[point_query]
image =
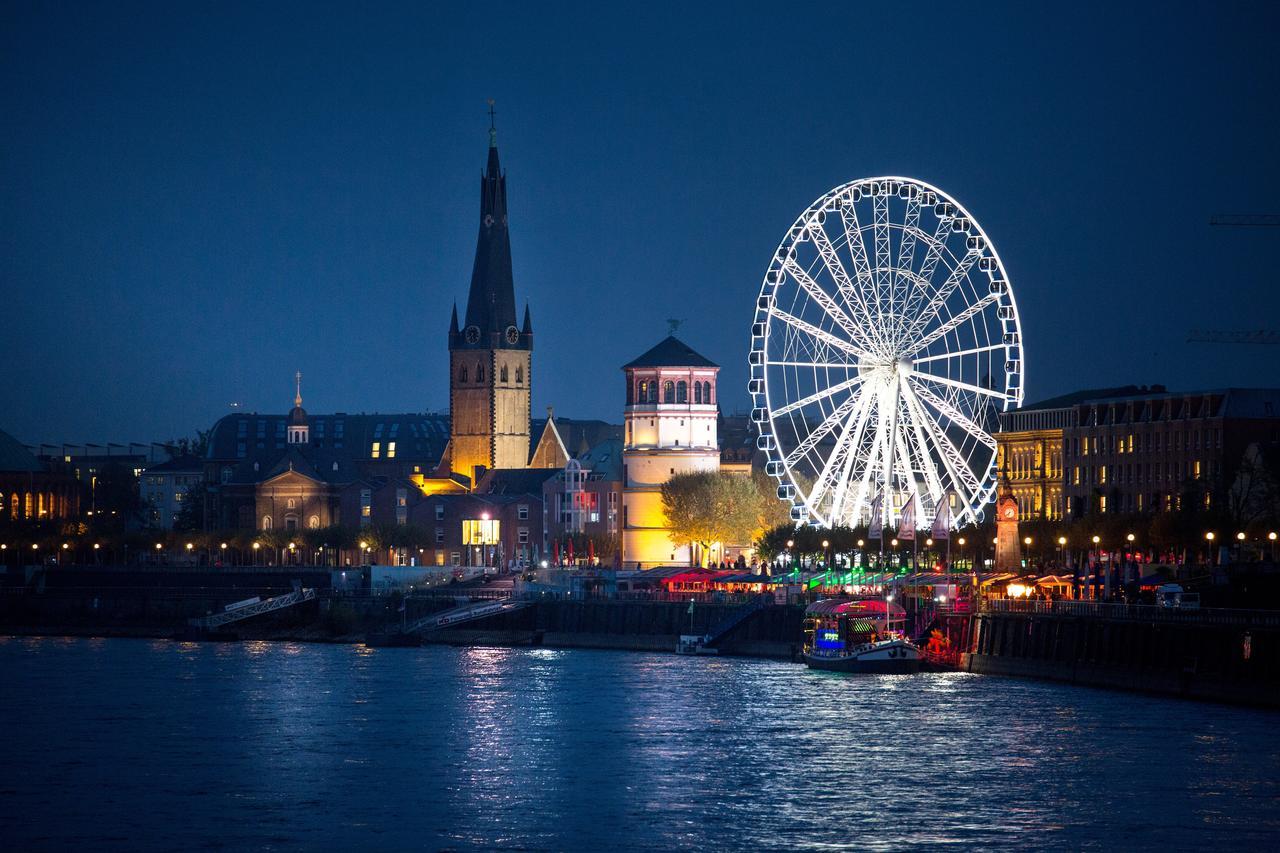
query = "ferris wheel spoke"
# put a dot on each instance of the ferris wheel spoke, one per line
(831, 260)
(823, 429)
(833, 462)
(926, 458)
(871, 462)
(956, 416)
(861, 268)
(910, 227)
(819, 334)
(965, 386)
(828, 305)
(959, 274)
(961, 476)
(841, 493)
(954, 323)
(880, 230)
(958, 354)
(824, 394)
(937, 244)
(828, 365)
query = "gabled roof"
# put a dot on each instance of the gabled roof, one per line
(15, 457)
(1076, 397)
(670, 352)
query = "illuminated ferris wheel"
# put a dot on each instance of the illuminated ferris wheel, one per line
(885, 342)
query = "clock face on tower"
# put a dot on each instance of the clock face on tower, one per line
(473, 334)
(513, 335)
(1010, 511)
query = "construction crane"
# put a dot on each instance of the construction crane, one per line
(1246, 220)
(1246, 336)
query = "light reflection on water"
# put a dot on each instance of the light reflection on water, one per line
(145, 745)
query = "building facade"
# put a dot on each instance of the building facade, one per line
(33, 489)
(670, 424)
(163, 489)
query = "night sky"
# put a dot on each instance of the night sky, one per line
(200, 199)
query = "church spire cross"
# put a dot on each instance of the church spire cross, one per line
(297, 397)
(493, 126)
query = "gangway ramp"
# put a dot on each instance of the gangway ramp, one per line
(466, 613)
(235, 613)
(706, 644)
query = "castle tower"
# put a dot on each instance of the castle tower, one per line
(490, 357)
(670, 422)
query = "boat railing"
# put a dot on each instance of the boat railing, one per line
(1134, 612)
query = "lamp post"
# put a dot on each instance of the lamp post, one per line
(960, 542)
(1027, 542)
(256, 546)
(1093, 589)
(1209, 537)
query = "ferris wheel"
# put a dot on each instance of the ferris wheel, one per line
(885, 342)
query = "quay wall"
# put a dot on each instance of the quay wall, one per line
(1207, 657)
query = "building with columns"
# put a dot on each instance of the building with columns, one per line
(669, 428)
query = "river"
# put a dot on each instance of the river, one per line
(155, 745)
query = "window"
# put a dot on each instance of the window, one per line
(1195, 469)
(682, 392)
(669, 392)
(479, 372)
(697, 392)
(522, 536)
(1102, 503)
(522, 512)
(502, 375)
(462, 374)
(439, 535)
(439, 512)
(391, 450)
(226, 475)
(266, 522)
(314, 522)
(376, 449)
(519, 375)
(402, 497)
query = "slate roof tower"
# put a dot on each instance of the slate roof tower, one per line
(490, 356)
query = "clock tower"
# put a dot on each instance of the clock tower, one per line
(1008, 548)
(490, 357)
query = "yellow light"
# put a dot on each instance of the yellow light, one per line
(223, 546)
(363, 545)
(1209, 536)
(861, 542)
(894, 543)
(190, 546)
(158, 546)
(1240, 536)
(1027, 541)
(928, 543)
(65, 546)
(791, 543)
(96, 546)
(995, 541)
(1062, 540)
(4, 547)
(961, 540)
(1272, 536)
(34, 546)
(1097, 539)
(1017, 590)
(826, 544)
(291, 546)
(256, 546)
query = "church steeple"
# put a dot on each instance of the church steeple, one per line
(491, 303)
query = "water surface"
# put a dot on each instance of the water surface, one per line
(154, 745)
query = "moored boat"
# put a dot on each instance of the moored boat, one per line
(858, 635)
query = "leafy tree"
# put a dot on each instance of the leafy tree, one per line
(711, 506)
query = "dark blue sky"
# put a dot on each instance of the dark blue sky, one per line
(201, 198)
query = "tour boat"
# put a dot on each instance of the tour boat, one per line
(858, 635)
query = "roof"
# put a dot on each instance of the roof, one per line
(1075, 397)
(15, 457)
(515, 481)
(243, 440)
(178, 463)
(574, 433)
(671, 352)
(844, 606)
(491, 301)
(604, 460)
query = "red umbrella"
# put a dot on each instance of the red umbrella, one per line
(591, 551)
(569, 547)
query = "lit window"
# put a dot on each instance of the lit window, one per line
(391, 450)
(1195, 468)
(522, 512)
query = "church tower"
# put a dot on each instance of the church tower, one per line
(490, 357)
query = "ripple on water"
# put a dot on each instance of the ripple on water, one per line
(142, 745)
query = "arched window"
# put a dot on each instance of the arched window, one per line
(706, 392)
(642, 396)
(669, 392)
(266, 522)
(314, 522)
(479, 372)
(682, 392)
(462, 373)
(519, 375)
(502, 375)
(292, 503)
(653, 391)
(697, 392)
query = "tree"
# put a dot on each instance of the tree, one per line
(711, 506)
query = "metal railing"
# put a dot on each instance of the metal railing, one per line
(280, 602)
(1138, 612)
